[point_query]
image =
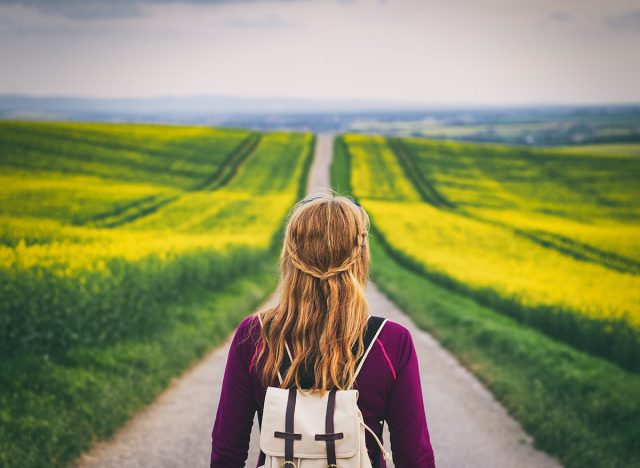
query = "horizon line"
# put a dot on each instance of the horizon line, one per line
(413, 105)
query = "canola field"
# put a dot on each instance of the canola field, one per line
(126, 253)
(102, 223)
(549, 236)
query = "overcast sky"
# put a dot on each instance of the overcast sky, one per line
(427, 51)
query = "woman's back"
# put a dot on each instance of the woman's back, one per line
(389, 390)
(322, 318)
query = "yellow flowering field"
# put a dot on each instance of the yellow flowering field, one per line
(193, 206)
(551, 237)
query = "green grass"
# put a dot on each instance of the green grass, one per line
(52, 407)
(581, 409)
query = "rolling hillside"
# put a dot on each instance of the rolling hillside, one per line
(549, 237)
(120, 243)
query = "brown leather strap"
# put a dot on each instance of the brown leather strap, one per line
(287, 435)
(288, 425)
(334, 436)
(328, 427)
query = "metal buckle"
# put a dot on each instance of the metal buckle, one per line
(287, 462)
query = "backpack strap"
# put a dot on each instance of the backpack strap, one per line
(286, 360)
(374, 326)
(330, 436)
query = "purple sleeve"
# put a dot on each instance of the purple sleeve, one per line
(405, 415)
(236, 410)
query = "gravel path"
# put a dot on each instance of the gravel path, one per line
(469, 428)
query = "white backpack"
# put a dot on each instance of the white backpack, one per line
(303, 430)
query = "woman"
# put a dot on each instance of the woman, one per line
(322, 315)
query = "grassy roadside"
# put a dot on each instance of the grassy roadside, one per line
(51, 409)
(581, 409)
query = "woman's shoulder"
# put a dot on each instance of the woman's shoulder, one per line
(397, 342)
(249, 325)
(394, 331)
(247, 335)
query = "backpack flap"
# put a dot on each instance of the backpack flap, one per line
(308, 420)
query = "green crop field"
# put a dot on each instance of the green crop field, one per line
(548, 236)
(628, 149)
(117, 241)
(525, 263)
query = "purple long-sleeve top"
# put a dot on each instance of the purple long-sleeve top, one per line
(389, 390)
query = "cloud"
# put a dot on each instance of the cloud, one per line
(629, 21)
(560, 16)
(267, 22)
(95, 9)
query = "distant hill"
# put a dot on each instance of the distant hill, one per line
(212, 105)
(530, 125)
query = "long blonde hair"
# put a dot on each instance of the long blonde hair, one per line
(324, 267)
